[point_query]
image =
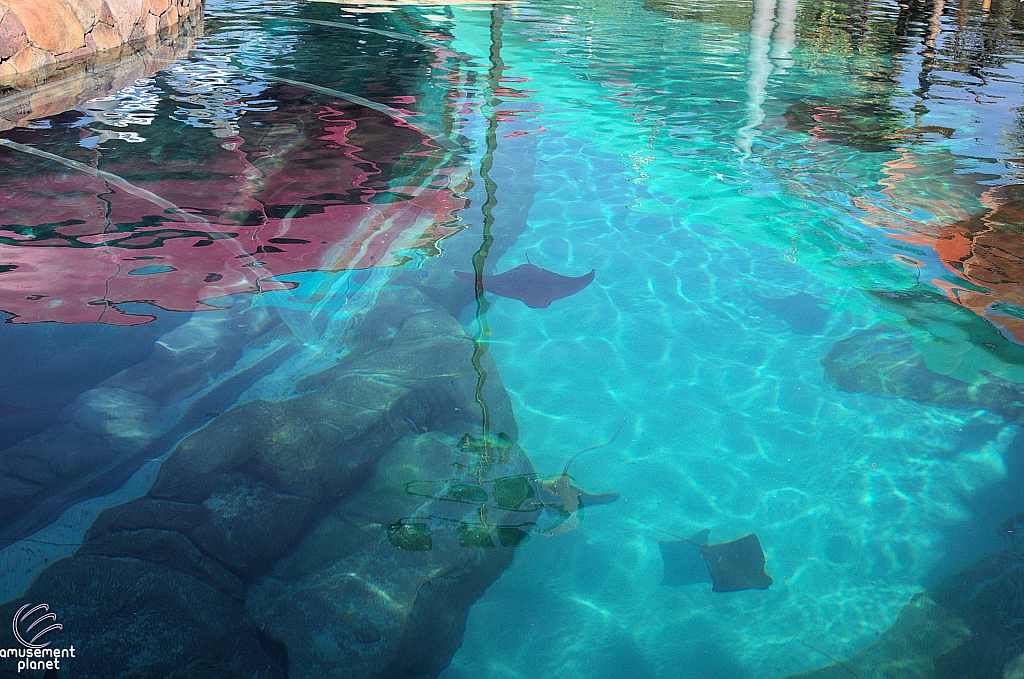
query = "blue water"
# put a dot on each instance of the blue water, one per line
(755, 185)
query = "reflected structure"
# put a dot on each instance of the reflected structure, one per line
(290, 190)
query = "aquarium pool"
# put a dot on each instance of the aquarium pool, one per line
(305, 322)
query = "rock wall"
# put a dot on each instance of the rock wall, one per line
(40, 37)
(103, 75)
(338, 530)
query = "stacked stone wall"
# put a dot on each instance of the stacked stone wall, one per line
(39, 37)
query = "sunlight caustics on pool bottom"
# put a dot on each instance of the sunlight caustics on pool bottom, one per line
(327, 279)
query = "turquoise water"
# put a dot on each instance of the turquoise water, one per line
(804, 321)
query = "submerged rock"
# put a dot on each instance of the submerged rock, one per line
(111, 430)
(969, 626)
(391, 610)
(133, 618)
(33, 470)
(922, 631)
(883, 361)
(989, 597)
(1015, 668)
(263, 547)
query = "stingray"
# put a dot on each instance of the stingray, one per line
(736, 565)
(1012, 528)
(684, 564)
(568, 499)
(535, 287)
(729, 566)
(801, 311)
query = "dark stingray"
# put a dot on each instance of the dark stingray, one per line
(801, 311)
(1012, 528)
(730, 566)
(535, 287)
(684, 564)
(736, 565)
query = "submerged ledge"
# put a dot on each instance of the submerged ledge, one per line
(280, 536)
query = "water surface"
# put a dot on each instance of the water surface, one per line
(805, 225)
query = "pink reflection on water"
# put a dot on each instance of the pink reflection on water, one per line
(310, 197)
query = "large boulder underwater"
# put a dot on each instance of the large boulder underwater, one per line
(884, 361)
(338, 527)
(971, 624)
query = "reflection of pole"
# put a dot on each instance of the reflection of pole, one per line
(494, 73)
(760, 68)
(784, 38)
(928, 54)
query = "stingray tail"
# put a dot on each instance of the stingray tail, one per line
(700, 538)
(565, 470)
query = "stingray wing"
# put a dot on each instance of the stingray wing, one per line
(535, 287)
(736, 565)
(684, 564)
